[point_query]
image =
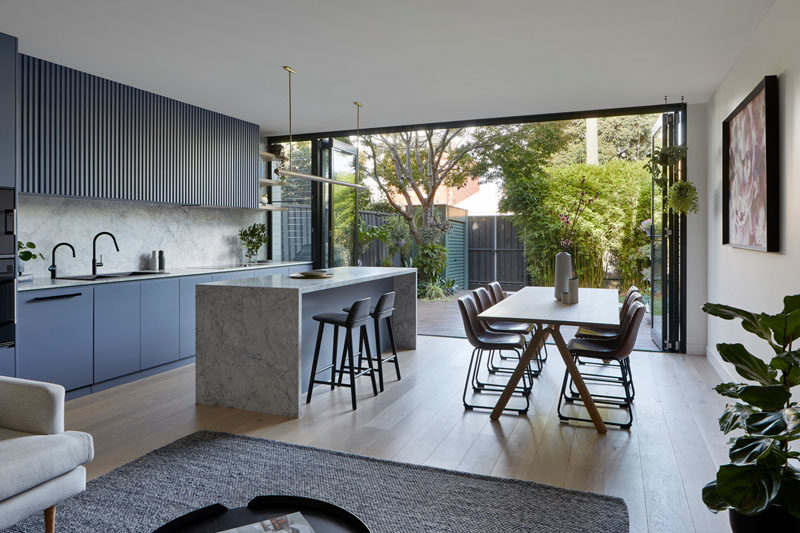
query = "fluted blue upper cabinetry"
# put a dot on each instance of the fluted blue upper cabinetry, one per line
(8, 106)
(89, 137)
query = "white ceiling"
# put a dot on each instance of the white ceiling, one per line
(408, 61)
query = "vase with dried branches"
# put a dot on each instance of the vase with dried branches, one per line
(563, 266)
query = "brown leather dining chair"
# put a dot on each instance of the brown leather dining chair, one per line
(483, 340)
(610, 332)
(483, 302)
(617, 350)
(497, 294)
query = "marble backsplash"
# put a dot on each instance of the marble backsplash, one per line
(189, 236)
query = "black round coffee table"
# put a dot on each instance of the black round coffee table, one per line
(323, 517)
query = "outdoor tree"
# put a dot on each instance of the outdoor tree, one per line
(412, 166)
(623, 137)
(528, 160)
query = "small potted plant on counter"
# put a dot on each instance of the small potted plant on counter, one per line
(253, 238)
(761, 484)
(26, 251)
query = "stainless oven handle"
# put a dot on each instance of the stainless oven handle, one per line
(10, 215)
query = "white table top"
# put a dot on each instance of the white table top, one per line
(596, 307)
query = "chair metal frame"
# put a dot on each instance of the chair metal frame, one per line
(469, 314)
(618, 352)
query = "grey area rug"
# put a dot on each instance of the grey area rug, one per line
(390, 497)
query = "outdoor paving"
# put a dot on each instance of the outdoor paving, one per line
(443, 319)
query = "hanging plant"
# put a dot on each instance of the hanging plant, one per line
(682, 197)
(664, 157)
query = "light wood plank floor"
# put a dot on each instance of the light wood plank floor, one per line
(658, 467)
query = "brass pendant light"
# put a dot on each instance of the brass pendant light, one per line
(291, 173)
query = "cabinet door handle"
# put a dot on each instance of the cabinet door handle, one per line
(56, 297)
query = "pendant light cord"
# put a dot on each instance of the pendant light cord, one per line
(358, 136)
(291, 71)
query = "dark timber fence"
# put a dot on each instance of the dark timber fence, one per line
(296, 241)
(496, 252)
(377, 249)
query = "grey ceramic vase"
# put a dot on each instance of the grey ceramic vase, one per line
(563, 273)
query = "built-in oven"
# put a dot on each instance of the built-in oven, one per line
(8, 266)
(8, 298)
(8, 237)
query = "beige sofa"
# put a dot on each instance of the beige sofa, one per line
(40, 463)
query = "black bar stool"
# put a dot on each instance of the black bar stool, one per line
(356, 318)
(384, 309)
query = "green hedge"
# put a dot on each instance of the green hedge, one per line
(609, 230)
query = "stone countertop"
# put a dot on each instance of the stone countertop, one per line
(342, 276)
(47, 283)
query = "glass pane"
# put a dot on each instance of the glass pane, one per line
(291, 231)
(656, 284)
(344, 207)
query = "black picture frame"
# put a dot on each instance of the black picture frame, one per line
(769, 86)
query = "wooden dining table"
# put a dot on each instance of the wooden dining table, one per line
(596, 307)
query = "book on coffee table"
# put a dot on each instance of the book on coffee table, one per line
(290, 523)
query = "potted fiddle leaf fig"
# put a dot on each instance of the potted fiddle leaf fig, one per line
(761, 485)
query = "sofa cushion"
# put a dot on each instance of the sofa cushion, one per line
(29, 460)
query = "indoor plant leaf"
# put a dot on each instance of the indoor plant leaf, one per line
(769, 423)
(734, 417)
(791, 303)
(712, 499)
(791, 416)
(750, 489)
(750, 321)
(749, 449)
(747, 365)
(785, 326)
(770, 398)
(786, 360)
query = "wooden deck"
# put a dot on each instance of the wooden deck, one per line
(443, 319)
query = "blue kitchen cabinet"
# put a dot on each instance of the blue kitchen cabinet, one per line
(7, 361)
(187, 316)
(116, 330)
(238, 274)
(54, 336)
(8, 111)
(160, 321)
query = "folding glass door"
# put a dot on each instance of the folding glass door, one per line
(668, 252)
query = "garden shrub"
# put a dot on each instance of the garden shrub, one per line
(607, 233)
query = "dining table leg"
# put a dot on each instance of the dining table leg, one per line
(538, 339)
(530, 352)
(588, 402)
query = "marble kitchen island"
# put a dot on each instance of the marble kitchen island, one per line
(256, 337)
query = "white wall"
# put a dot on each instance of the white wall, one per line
(757, 280)
(189, 236)
(696, 241)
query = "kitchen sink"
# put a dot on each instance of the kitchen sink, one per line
(108, 275)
